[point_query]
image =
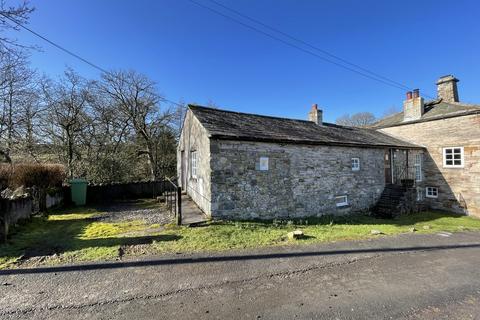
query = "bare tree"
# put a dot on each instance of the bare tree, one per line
(17, 102)
(361, 119)
(138, 101)
(67, 117)
(19, 13)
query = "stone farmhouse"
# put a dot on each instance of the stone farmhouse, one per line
(246, 166)
(450, 132)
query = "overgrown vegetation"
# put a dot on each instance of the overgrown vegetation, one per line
(30, 174)
(75, 235)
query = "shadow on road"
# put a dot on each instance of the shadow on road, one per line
(160, 262)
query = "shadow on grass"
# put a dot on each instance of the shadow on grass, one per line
(356, 219)
(217, 259)
(42, 237)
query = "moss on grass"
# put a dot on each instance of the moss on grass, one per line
(73, 235)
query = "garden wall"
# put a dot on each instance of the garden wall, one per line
(106, 193)
(13, 211)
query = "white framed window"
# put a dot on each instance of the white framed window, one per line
(263, 166)
(453, 157)
(341, 201)
(431, 192)
(418, 167)
(193, 163)
(355, 164)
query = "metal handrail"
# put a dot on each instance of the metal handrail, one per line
(403, 173)
(173, 199)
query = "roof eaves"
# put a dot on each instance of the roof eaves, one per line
(313, 142)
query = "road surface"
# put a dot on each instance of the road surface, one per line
(410, 276)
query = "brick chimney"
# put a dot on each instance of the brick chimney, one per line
(447, 88)
(316, 115)
(413, 106)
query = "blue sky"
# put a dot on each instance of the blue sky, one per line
(197, 56)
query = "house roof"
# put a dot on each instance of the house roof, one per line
(229, 125)
(434, 110)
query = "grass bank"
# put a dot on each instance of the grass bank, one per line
(76, 235)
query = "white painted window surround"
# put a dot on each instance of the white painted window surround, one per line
(355, 164)
(263, 166)
(193, 163)
(431, 192)
(453, 157)
(341, 201)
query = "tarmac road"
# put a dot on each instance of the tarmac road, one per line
(410, 276)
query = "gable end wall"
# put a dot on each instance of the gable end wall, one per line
(194, 137)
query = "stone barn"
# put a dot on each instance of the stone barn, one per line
(247, 166)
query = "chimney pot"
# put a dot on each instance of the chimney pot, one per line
(409, 95)
(416, 93)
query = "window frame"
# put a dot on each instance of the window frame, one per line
(341, 204)
(194, 164)
(356, 161)
(453, 165)
(418, 165)
(432, 195)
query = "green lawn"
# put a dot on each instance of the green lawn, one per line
(75, 235)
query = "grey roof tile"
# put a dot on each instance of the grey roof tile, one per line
(434, 110)
(231, 125)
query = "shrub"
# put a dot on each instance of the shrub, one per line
(40, 175)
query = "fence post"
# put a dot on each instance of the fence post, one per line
(179, 205)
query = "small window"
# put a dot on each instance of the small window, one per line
(263, 164)
(453, 157)
(341, 201)
(431, 192)
(193, 163)
(355, 164)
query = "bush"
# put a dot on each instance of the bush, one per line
(28, 175)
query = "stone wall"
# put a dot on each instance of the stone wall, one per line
(194, 137)
(13, 211)
(300, 180)
(459, 188)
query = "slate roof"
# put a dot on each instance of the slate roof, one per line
(229, 125)
(434, 110)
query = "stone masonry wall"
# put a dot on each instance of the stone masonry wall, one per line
(459, 188)
(300, 180)
(194, 137)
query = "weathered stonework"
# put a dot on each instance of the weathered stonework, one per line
(413, 109)
(194, 137)
(300, 180)
(447, 89)
(459, 188)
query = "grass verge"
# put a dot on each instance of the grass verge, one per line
(75, 235)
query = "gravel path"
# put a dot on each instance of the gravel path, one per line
(132, 210)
